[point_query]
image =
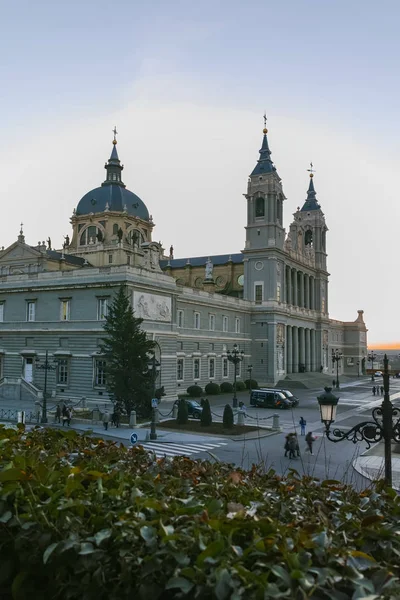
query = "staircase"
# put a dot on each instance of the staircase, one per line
(312, 381)
(19, 389)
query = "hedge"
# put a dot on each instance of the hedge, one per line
(226, 387)
(240, 386)
(86, 519)
(194, 391)
(212, 389)
(254, 384)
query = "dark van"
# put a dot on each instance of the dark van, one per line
(269, 399)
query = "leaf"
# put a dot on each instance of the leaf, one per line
(102, 535)
(12, 475)
(148, 533)
(48, 552)
(86, 548)
(212, 550)
(281, 573)
(224, 585)
(181, 583)
(6, 517)
(359, 554)
(371, 520)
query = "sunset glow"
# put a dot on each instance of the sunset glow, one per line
(385, 346)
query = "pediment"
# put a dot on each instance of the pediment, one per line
(19, 253)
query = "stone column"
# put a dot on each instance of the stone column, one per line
(295, 337)
(314, 366)
(307, 290)
(289, 350)
(295, 295)
(302, 349)
(302, 290)
(308, 349)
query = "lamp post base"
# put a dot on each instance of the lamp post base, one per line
(234, 402)
(44, 420)
(153, 433)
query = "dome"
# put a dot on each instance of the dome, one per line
(117, 197)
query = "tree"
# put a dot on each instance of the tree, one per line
(126, 351)
(183, 414)
(206, 418)
(227, 418)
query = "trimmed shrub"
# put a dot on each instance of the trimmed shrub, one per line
(206, 417)
(183, 415)
(212, 389)
(194, 391)
(226, 387)
(227, 418)
(254, 384)
(240, 386)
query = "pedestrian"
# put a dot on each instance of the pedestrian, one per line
(321, 369)
(70, 413)
(309, 441)
(106, 419)
(202, 402)
(287, 438)
(377, 390)
(333, 383)
(381, 390)
(64, 414)
(292, 444)
(302, 424)
(58, 414)
(374, 390)
(115, 418)
(297, 444)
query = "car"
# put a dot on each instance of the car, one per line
(194, 408)
(264, 398)
(378, 374)
(294, 399)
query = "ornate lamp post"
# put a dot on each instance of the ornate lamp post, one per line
(235, 357)
(336, 358)
(154, 369)
(249, 370)
(372, 358)
(46, 366)
(385, 425)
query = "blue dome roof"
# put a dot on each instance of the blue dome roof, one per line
(117, 197)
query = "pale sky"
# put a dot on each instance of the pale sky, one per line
(187, 83)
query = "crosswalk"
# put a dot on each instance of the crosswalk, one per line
(166, 449)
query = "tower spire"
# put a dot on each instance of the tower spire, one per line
(113, 166)
(264, 164)
(311, 202)
(21, 237)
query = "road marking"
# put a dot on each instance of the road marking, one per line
(166, 449)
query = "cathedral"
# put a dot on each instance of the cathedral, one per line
(269, 298)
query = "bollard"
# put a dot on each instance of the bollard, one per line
(96, 415)
(240, 417)
(21, 417)
(156, 415)
(175, 411)
(275, 421)
(132, 419)
(83, 402)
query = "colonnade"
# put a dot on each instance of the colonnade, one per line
(301, 350)
(300, 289)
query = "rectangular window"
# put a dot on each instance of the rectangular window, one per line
(237, 325)
(278, 293)
(100, 373)
(224, 323)
(211, 323)
(258, 293)
(62, 371)
(211, 368)
(110, 259)
(65, 307)
(323, 305)
(179, 369)
(30, 311)
(224, 367)
(101, 309)
(179, 319)
(1, 312)
(197, 320)
(196, 368)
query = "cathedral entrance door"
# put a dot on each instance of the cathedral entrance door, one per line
(28, 370)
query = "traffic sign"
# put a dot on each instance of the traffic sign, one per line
(133, 438)
(154, 403)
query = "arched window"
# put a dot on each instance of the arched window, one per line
(135, 237)
(308, 239)
(115, 228)
(89, 236)
(260, 207)
(279, 210)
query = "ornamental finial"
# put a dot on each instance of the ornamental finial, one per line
(311, 170)
(115, 134)
(265, 130)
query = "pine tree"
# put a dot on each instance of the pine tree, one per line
(206, 418)
(183, 415)
(227, 418)
(126, 351)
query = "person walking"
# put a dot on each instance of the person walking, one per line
(287, 438)
(64, 414)
(309, 441)
(302, 424)
(106, 419)
(69, 415)
(58, 414)
(374, 390)
(381, 390)
(292, 444)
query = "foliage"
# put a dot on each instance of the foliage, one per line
(212, 389)
(183, 414)
(206, 417)
(194, 391)
(81, 518)
(254, 384)
(126, 351)
(226, 387)
(227, 418)
(240, 386)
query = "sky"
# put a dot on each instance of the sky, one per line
(186, 83)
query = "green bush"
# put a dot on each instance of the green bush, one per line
(226, 387)
(227, 418)
(83, 518)
(240, 386)
(194, 391)
(212, 389)
(206, 417)
(254, 384)
(183, 415)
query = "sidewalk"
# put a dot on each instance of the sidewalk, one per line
(371, 464)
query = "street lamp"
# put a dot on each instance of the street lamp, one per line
(385, 425)
(249, 370)
(371, 358)
(153, 367)
(46, 366)
(235, 357)
(336, 358)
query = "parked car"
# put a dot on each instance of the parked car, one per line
(378, 374)
(269, 399)
(194, 408)
(294, 399)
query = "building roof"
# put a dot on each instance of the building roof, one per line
(73, 260)
(264, 164)
(311, 202)
(199, 261)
